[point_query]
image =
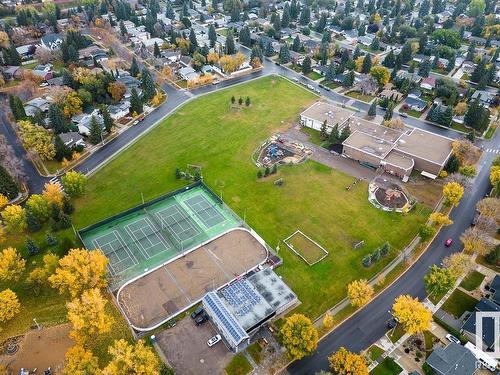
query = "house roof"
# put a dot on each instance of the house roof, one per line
(321, 111)
(51, 38)
(452, 360)
(411, 101)
(485, 305)
(425, 145)
(431, 81)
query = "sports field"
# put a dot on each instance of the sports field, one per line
(305, 247)
(150, 234)
(209, 132)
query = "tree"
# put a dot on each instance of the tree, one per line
(61, 150)
(40, 275)
(489, 207)
(212, 35)
(453, 192)
(57, 120)
(439, 218)
(447, 37)
(343, 362)
(17, 108)
(476, 8)
(9, 305)
(108, 120)
(244, 36)
(95, 130)
(14, 218)
(305, 16)
(438, 280)
(424, 68)
(460, 108)
(389, 60)
(412, 314)
(37, 139)
(147, 84)
(72, 105)
(395, 123)
(8, 187)
(360, 292)
(284, 54)
(229, 45)
(389, 111)
(334, 137)
(372, 111)
(306, 65)
(134, 68)
(297, 45)
(117, 90)
(345, 133)
(11, 265)
(327, 319)
(135, 102)
(80, 361)
(380, 74)
(53, 194)
(406, 53)
(477, 116)
(74, 183)
(88, 316)
(80, 270)
(3, 201)
(131, 359)
(299, 335)
(495, 179)
(459, 264)
(476, 241)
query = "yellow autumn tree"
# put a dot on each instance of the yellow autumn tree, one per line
(438, 218)
(453, 193)
(213, 58)
(412, 314)
(135, 359)
(157, 99)
(4, 39)
(39, 207)
(328, 320)
(495, 178)
(80, 270)
(299, 335)
(9, 305)
(117, 90)
(40, 275)
(489, 207)
(476, 241)
(11, 265)
(459, 264)
(37, 139)
(359, 292)
(14, 218)
(460, 108)
(80, 361)
(53, 194)
(72, 104)
(88, 316)
(74, 183)
(344, 362)
(3, 201)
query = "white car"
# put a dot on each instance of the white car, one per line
(295, 79)
(214, 340)
(452, 338)
(44, 84)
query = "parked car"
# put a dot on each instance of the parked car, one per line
(452, 338)
(403, 114)
(135, 122)
(197, 312)
(44, 84)
(448, 242)
(391, 323)
(201, 319)
(214, 340)
(295, 79)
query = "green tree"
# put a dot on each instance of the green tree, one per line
(306, 65)
(95, 131)
(57, 120)
(147, 85)
(108, 121)
(372, 111)
(229, 46)
(134, 68)
(135, 102)
(212, 35)
(156, 50)
(296, 46)
(284, 55)
(74, 183)
(123, 29)
(438, 280)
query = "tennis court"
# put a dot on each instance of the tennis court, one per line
(147, 236)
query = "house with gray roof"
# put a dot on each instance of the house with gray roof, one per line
(52, 41)
(488, 331)
(452, 360)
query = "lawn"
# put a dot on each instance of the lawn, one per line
(396, 333)
(306, 248)
(460, 127)
(313, 75)
(472, 281)
(375, 352)
(413, 113)
(490, 132)
(239, 365)
(331, 85)
(387, 367)
(360, 96)
(255, 351)
(429, 339)
(314, 135)
(458, 303)
(312, 199)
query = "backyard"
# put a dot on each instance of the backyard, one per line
(360, 96)
(313, 197)
(458, 303)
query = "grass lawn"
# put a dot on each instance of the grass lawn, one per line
(360, 96)
(311, 252)
(436, 297)
(396, 333)
(481, 260)
(223, 144)
(460, 127)
(314, 135)
(472, 281)
(490, 132)
(255, 351)
(314, 76)
(331, 85)
(239, 365)
(458, 303)
(414, 113)
(429, 339)
(375, 352)
(222, 32)
(387, 367)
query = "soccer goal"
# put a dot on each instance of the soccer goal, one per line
(306, 248)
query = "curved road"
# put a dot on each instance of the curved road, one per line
(368, 325)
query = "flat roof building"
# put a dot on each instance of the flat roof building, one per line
(314, 116)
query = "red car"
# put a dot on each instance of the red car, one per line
(448, 242)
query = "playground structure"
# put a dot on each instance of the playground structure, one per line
(279, 150)
(384, 194)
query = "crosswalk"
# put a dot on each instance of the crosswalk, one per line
(56, 181)
(493, 151)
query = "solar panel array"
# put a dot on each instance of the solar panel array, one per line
(241, 296)
(224, 316)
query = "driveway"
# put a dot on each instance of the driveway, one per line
(185, 347)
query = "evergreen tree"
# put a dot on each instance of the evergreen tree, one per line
(294, 9)
(244, 36)
(306, 65)
(32, 221)
(17, 108)
(156, 50)
(269, 51)
(135, 102)
(73, 55)
(256, 53)
(479, 71)
(123, 29)
(348, 79)
(330, 72)
(425, 6)
(147, 85)
(389, 60)
(406, 53)
(285, 18)
(446, 116)
(108, 121)
(453, 164)
(320, 26)
(212, 35)
(367, 64)
(424, 68)
(57, 120)
(323, 131)
(327, 37)
(62, 151)
(134, 68)
(477, 116)
(296, 44)
(334, 137)
(169, 11)
(284, 54)
(357, 53)
(95, 131)
(305, 16)
(372, 111)
(229, 47)
(389, 111)
(32, 247)
(471, 51)
(375, 46)
(451, 63)
(277, 22)
(345, 133)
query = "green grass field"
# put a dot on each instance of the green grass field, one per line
(239, 365)
(387, 367)
(458, 303)
(375, 352)
(358, 95)
(207, 132)
(472, 280)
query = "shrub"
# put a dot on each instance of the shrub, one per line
(376, 256)
(32, 247)
(178, 174)
(275, 169)
(384, 250)
(259, 174)
(267, 171)
(426, 232)
(50, 239)
(367, 260)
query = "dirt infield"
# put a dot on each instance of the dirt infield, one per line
(169, 290)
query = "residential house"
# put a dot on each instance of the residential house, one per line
(415, 104)
(488, 332)
(35, 105)
(12, 72)
(455, 359)
(171, 56)
(117, 111)
(365, 40)
(72, 139)
(43, 71)
(495, 289)
(52, 41)
(485, 97)
(26, 51)
(83, 121)
(428, 83)
(391, 94)
(188, 73)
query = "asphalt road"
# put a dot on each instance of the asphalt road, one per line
(368, 325)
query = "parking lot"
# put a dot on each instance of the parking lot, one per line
(185, 347)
